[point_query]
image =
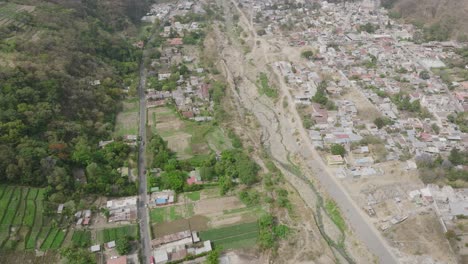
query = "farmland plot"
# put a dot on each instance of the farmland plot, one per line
(81, 238)
(237, 236)
(111, 234)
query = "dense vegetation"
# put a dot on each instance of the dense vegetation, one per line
(233, 165)
(51, 115)
(439, 169)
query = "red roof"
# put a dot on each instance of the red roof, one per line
(205, 91)
(342, 136)
(193, 180)
(425, 136)
(175, 41)
(119, 260)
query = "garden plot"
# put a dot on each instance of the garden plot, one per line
(232, 237)
(22, 220)
(204, 210)
(127, 120)
(112, 234)
(187, 138)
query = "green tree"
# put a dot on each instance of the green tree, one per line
(321, 96)
(173, 180)
(424, 75)
(78, 256)
(382, 121)
(213, 257)
(337, 149)
(307, 54)
(123, 245)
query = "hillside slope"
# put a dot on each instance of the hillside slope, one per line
(51, 115)
(447, 17)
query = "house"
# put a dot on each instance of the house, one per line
(117, 260)
(319, 114)
(140, 44)
(60, 208)
(160, 256)
(175, 42)
(194, 178)
(110, 244)
(95, 248)
(164, 197)
(335, 160)
(204, 92)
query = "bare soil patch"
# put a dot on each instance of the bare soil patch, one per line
(216, 206)
(422, 235)
(195, 223)
(179, 143)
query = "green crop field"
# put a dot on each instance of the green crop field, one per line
(111, 234)
(49, 239)
(58, 240)
(81, 238)
(22, 208)
(231, 237)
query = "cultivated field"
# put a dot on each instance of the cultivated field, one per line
(231, 237)
(9, 13)
(111, 234)
(187, 138)
(204, 211)
(22, 223)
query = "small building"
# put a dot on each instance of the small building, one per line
(335, 160)
(160, 256)
(95, 248)
(175, 42)
(110, 244)
(60, 208)
(194, 178)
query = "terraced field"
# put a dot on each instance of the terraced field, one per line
(22, 223)
(10, 14)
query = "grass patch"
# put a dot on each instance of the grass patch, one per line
(127, 120)
(112, 234)
(194, 196)
(157, 215)
(171, 213)
(335, 214)
(265, 88)
(218, 140)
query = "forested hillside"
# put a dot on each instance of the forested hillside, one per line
(440, 19)
(52, 112)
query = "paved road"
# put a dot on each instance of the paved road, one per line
(142, 191)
